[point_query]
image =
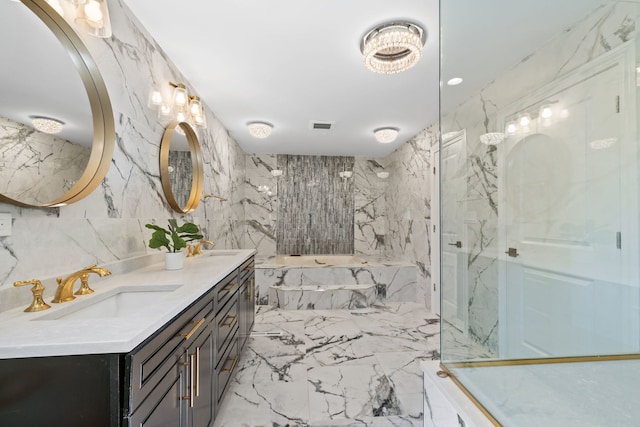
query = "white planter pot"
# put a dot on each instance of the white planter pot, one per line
(174, 260)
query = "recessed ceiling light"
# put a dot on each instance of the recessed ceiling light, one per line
(260, 129)
(454, 81)
(47, 124)
(393, 47)
(386, 135)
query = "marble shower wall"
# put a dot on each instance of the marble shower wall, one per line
(408, 202)
(109, 224)
(605, 29)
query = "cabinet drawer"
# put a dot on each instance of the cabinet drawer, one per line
(226, 323)
(226, 368)
(149, 363)
(226, 289)
(246, 269)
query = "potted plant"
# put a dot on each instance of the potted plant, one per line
(174, 239)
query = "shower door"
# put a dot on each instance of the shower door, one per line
(566, 287)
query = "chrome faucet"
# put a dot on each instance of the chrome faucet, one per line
(197, 248)
(64, 292)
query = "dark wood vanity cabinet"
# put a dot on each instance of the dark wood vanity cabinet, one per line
(177, 377)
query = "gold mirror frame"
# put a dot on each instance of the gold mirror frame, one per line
(197, 181)
(103, 122)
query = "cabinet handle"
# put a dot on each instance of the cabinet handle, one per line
(193, 330)
(192, 378)
(197, 371)
(230, 318)
(228, 288)
(233, 365)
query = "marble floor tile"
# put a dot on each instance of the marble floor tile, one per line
(332, 368)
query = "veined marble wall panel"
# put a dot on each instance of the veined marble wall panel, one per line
(261, 209)
(370, 206)
(605, 29)
(315, 205)
(108, 225)
(408, 201)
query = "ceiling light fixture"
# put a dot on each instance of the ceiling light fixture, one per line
(455, 81)
(386, 135)
(47, 124)
(492, 138)
(393, 47)
(259, 130)
(383, 174)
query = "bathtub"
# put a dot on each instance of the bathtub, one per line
(332, 281)
(319, 260)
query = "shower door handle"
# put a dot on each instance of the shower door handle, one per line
(512, 252)
(457, 244)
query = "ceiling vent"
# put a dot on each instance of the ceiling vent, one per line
(318, 125)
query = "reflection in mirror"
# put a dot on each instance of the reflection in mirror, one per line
(47, 72)
(181, 169)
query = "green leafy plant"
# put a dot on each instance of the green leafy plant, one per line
(175, 238)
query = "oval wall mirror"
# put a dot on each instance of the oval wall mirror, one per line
(56, 123)
(181, 167)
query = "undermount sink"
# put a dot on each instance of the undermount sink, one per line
(122, 301)
(219, 253)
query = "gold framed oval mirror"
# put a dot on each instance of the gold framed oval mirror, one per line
(181, 167)
(48, 73)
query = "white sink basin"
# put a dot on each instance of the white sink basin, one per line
(122, 301)
(217, 253)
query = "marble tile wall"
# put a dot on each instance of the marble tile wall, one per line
(408, 202)
(605, 29)
(316, 207)
(109, 224)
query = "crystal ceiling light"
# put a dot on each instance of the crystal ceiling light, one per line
(260, 129)
(393, 47)
(386, 135)
(47, 124)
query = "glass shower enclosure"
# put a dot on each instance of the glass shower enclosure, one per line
(539, 186)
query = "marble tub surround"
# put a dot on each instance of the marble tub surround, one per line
(393, 281)
(333, 368)
(46, 333)
(323, 297)
(108, 225)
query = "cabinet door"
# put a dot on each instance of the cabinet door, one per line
(165, 406)
(199, 374)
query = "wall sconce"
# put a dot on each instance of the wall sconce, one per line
(383, 174)
(345, 174)
(90, 16)
(277, 172)
(180, 106)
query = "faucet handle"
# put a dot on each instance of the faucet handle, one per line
(38, 303)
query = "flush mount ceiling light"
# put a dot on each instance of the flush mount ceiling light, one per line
(259, 129)
(386, 135)
(455, 81)
(492, 138)
(47, 124)
(393, 47)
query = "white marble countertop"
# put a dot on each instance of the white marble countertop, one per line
(31, 335)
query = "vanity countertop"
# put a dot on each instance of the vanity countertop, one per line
(32, 335)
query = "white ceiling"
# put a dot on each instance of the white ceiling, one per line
(291, 62)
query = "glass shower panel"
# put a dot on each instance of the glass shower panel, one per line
(539, 185)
